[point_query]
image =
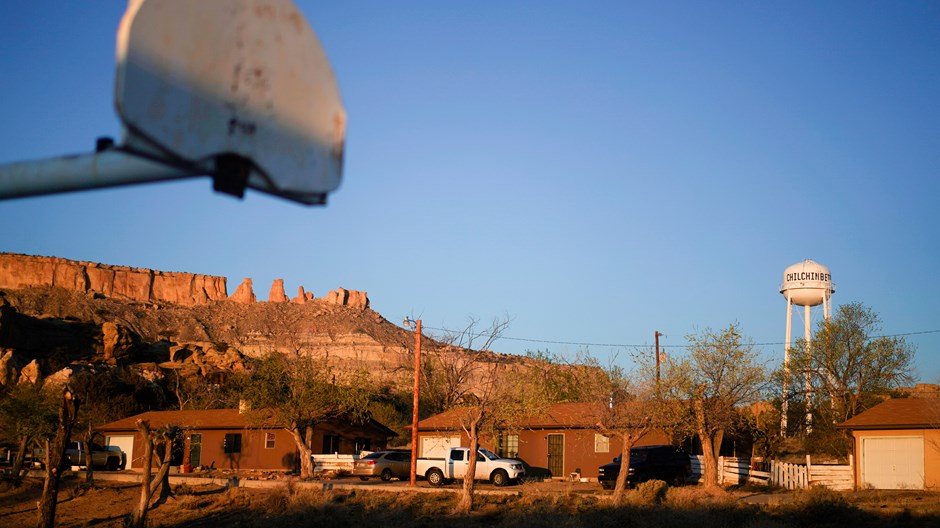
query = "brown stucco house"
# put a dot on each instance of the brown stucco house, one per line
(226, 439)
(897, 444)
(563, 439)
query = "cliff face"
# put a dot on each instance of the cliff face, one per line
(117, 282)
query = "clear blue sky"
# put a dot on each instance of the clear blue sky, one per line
(595, 170)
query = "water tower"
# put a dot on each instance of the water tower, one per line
(805, 284)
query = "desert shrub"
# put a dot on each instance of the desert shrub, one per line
(652, 491)
(193, 502)
(819, 502)
(426, 505)
(275, 501)
(696, 497)
(182, 489)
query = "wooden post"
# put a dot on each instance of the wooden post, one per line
(852, 469)
(414, 417)
(809, 465)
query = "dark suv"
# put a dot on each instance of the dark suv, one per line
(661, 462)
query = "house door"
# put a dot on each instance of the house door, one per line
(195, 449)
(556, 454)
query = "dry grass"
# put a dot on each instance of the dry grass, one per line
(532, 506)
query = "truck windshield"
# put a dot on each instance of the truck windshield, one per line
(487, 453)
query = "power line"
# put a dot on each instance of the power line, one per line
(622, 345)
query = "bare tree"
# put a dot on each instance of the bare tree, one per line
(452, 367)
(702, 390)
(487, 388)
(194, 391)
(626, 408)
(159, 441)
(55, 452)
(97, 409)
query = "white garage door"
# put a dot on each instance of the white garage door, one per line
(893, 462)
(437, 446)
(125, 442)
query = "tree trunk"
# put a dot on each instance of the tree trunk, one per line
(465, 504)
(711, 446)
(20, 458)
(139, 517)
(620, 487)
(164, 451)
(54, 454)
(89, 470)
(306, 462)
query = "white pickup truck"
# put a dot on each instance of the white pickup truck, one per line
(500, 471)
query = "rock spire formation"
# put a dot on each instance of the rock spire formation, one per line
(147, 285)
(277, 292)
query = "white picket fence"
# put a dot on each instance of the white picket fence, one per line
(737, 471)
(334, 462)
(837, 477)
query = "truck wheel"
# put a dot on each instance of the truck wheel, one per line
(112, 464)
(500, 477)
(435, 477)
(364, 479)
(386, 474)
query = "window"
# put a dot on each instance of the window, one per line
(195, 449)
(363, 444)
(232, 443)
(507, 445)
(456, 455)
(330, 444)
(269, 440)
(601, 443)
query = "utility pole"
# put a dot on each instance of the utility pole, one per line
(657, 335)
(414, 416)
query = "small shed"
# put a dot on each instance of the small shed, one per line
(897, 444)
(226, 439)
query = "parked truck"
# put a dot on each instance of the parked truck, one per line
(110, 458)
(499, 471)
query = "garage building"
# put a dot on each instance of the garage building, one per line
(897, 444)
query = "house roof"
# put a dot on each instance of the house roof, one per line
(204, 419)
(899, 413)
(201, 419)
(558, 416)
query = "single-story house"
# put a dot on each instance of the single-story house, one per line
(564, 439)
(226, 439)
(897, 444)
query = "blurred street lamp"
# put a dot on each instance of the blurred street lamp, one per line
(416, 325)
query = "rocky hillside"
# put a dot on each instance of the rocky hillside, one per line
(60, 314)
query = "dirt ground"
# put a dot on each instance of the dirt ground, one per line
(105, 505)
(109, 503)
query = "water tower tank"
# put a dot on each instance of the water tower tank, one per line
(807, 283)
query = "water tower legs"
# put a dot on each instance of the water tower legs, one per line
(785, 405)
(808, 384)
